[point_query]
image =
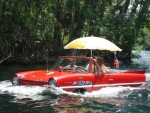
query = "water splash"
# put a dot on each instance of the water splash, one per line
(110, 92)
(20, 92)
(6, 87)
(38, 92)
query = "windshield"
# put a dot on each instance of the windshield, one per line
(72, 64)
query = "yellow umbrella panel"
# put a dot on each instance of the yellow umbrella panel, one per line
(92, 43)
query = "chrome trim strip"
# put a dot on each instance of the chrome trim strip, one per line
(103, 85)
(83, 86)
(121, 84)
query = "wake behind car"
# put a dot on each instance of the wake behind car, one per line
(80, 78)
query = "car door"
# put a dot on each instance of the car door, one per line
(100, 80)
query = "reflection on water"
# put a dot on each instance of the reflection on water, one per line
(27, 99)
(32, 99)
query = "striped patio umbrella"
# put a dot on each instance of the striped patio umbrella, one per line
(92, 43)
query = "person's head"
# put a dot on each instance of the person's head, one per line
(99, 59)
(73, 61)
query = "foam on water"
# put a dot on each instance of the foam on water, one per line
(6, 87)
(35, 92)
(110, 92)
(32, 92)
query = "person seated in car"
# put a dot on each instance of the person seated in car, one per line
(71, 66)
(100, 67)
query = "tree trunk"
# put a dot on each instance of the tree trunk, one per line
(1, 9)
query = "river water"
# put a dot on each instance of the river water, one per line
(23, 99)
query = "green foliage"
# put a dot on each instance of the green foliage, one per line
(32, 29)
(146, 31)
(143, 40)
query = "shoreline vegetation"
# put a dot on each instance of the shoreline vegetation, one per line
(36, 31)
(107, 55)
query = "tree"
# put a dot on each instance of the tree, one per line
(32, 29)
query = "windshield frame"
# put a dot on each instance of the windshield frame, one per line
(80, 59)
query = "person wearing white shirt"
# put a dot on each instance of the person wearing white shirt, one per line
(71, 66)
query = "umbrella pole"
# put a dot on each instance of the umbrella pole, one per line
(91, 52)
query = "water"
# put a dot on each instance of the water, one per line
(27, 99)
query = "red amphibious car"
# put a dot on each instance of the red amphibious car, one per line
(82, 78)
